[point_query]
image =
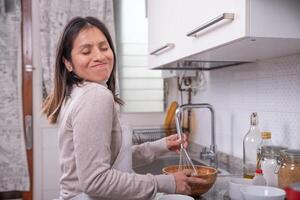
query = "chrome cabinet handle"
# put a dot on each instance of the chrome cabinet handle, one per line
(223, 16)
(29, 68)
(28, 132)
(163, 49)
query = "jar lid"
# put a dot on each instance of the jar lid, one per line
(272, 150)
(291, 154)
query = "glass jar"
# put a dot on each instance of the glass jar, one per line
(266, 141)
(268, 163)
(289, 171)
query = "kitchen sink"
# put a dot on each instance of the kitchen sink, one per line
(156, 166)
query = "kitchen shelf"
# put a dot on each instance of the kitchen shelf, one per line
(200, 65)
(141, 135)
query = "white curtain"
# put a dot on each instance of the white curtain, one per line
(54, 15)
(13, 161)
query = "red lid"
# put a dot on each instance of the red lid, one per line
(258, 171)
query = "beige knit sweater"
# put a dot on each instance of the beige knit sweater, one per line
(89, 142)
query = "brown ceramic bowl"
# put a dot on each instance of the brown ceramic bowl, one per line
(204, 172)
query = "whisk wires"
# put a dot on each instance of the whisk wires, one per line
(185, 161)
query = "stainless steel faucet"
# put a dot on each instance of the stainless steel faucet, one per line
(205, 154)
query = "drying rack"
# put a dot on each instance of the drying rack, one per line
(150, 134)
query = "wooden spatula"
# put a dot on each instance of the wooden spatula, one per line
(170, 117)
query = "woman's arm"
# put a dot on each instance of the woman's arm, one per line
(147, 152)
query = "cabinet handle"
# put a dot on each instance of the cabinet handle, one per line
(29, 68)
(223, 16)
(163, 49)
(28, 132)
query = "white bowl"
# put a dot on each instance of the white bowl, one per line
(234, 187)
(255, 192)
(175, 197)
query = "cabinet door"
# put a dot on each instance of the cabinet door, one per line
(162, 21)
(199, 13)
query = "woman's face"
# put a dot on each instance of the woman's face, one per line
(91, 57)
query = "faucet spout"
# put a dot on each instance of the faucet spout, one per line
(210, 154)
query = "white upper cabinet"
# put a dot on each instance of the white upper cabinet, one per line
(218, 22)
(230, 30)
(162, 23)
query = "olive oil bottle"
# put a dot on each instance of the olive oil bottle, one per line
(250, 144)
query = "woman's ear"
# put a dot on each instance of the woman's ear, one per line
(68, 65)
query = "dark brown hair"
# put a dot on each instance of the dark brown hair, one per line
(63, 79)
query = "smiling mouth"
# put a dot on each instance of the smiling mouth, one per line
(100, 65)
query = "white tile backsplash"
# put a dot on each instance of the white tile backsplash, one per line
(269, 87)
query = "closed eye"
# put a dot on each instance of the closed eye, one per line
(86, 49)
(104, 48)
(85, 52)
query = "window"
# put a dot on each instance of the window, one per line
(140, 87)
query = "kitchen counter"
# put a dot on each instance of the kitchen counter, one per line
(229, 166)
(220, 189)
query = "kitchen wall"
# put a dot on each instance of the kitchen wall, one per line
(269, 87)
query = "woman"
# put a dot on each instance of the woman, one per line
(83, 103)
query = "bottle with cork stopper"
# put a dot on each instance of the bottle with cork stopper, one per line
(250, 144)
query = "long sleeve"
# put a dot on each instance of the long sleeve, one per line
(92, 120)
(147, 152)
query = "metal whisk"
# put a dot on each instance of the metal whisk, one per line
(185, 161)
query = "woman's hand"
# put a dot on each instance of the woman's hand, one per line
(173, 142)
(183, 180)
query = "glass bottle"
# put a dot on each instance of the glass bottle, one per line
(250, 143)
(265, 141)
